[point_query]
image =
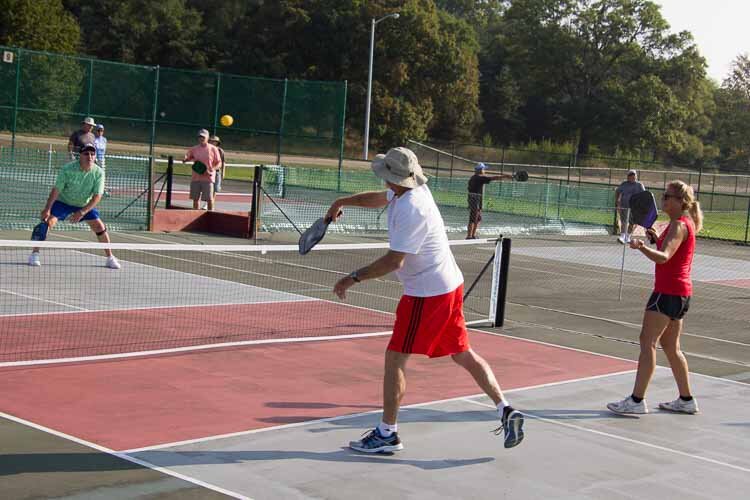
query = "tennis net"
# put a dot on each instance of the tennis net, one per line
(182, 297)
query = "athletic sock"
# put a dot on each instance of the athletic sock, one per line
(386, 430)
(636, 398)
(501, 407)
(686, 398)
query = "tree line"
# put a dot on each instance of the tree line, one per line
(604, 76)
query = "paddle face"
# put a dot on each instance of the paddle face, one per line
(521, 176)
(40, 232)
(199, 167)
(313, 235)
(643, 209)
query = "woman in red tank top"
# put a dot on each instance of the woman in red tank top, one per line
(662, 320)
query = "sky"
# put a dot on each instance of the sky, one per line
(717, 27)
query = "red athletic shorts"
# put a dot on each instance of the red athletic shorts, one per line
(433, 326)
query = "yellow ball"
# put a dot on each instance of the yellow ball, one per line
(227, 120)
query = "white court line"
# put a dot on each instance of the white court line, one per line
(174, 350)
(302, 298)
(126, 457)
(622, 438)
(356, 415)
(623, 323)
(43, 300)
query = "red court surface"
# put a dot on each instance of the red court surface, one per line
(89, 333)
(141, 402)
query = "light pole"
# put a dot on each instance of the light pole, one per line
(369, 79)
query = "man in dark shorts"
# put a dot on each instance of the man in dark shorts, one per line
(623, 193)
(81, 137)
(78, 189)
(429, 317)
(476, 190)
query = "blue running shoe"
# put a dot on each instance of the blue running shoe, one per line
(512, 427)
(373, 442)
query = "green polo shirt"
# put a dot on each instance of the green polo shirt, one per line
(77, 186)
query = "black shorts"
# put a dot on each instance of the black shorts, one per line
(475, 208)
(673, 306)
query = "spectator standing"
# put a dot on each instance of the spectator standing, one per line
(623, 193)
(214, 139)
(81, 137)
(202, 182)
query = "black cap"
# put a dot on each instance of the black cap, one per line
(88, 146)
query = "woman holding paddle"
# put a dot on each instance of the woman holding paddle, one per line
(662, 320)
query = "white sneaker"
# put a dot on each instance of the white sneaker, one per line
(627, 238)
(622, 239)
(680, 406)
(628, 407)
(34, 259)
(112, 262)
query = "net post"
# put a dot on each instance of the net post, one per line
(255, 205)
(502, 282)
(747, 222)
(343, 134)
(281, 122)
(150, 196)
(170, 173)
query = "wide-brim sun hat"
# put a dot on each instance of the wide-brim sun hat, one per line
(215, 138)
(399, 166)
(88, 121)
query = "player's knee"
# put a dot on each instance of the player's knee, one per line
(102, 232)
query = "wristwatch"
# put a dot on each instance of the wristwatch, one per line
(355, 276)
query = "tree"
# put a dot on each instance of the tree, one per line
(594, 71)
(38, 25)
(163, 33)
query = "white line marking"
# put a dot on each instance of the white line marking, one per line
(622, 323)
(43, 300)
(124, 456)
(624, 439)
(138, 354)
(356, 415)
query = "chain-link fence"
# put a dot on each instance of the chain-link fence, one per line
(589, 191)
(46, 94)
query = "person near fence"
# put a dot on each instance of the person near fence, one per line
(666, 308)
(624, 191)
(476, 191)
(202, 182)
(78, 190)
(214, 139)
(81, 137)
(429, 316)
(100, 142)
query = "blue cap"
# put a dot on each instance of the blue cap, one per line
(480, 166)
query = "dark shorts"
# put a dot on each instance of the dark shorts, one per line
(475, 208)
(673, 306)
(61, 211)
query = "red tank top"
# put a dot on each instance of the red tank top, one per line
(673, 277)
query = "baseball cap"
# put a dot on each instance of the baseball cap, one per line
(88, 147)
(89, 121)
(203, 133)
(632, 172)
(480, 167)
(99, 126)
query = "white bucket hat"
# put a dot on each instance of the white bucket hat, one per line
(399, 166)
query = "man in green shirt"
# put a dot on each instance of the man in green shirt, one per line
(78, 189)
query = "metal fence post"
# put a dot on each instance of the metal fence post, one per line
(216, 102)
(91, 87)
(343, 134)
(713, 190)
(747, 221)
(15, 104)
(281, 124)
(152, 139)
(700, 176)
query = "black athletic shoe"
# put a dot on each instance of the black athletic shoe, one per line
(373, 442)
(512, 427)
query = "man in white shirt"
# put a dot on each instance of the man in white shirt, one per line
(429, 317)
